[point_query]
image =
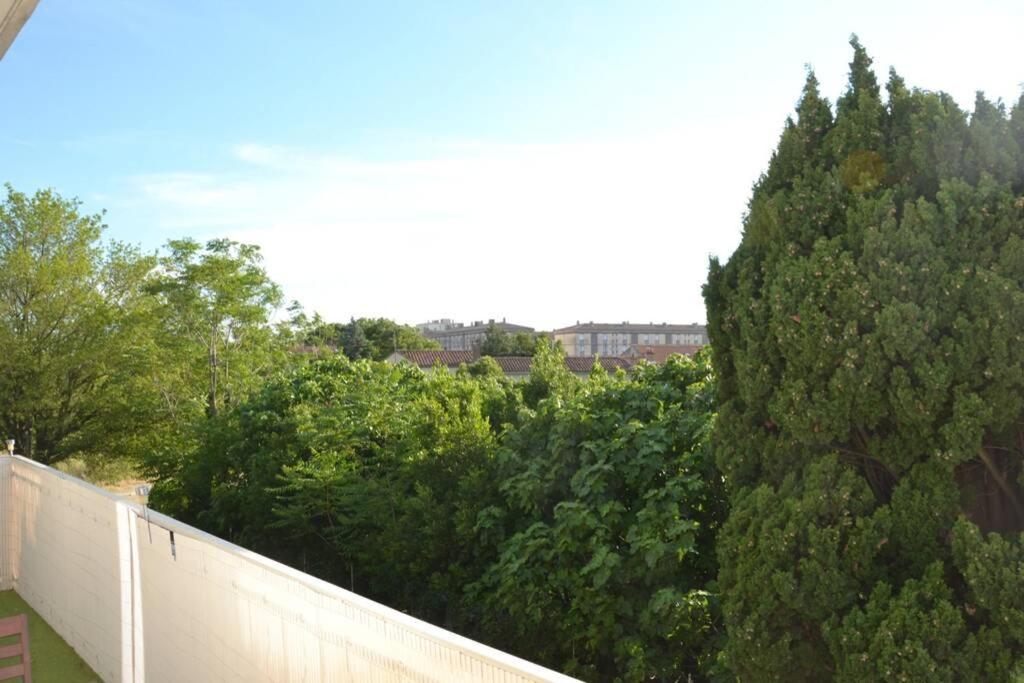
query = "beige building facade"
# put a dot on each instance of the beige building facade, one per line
(613, 339)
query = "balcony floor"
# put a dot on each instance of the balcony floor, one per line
(52, 658)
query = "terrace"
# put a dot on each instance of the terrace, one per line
(139, 596)
(52, 658)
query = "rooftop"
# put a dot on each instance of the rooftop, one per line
(430, 358)
(659, 353)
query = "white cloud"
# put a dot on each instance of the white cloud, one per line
(543, 235)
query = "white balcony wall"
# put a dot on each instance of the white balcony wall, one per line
(61, 555)
(103, 573)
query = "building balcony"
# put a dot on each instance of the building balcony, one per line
(140, 596)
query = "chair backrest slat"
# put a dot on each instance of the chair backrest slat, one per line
(8, 627)
(12, 650)
(12, 671)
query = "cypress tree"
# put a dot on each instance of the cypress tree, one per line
(868, 337)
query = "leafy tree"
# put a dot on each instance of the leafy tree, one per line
(375, 338)
(216, 302)
(353, 342)
(366, 474)
(71, 326)
(866, 337)
(302, 330)
(611, 503)
(215, 345)
(501, 396)
(498, 342)
(549, 375)
(386, 336)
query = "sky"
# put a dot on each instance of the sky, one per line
(546, 162)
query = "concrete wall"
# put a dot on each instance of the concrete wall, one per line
(143, 597)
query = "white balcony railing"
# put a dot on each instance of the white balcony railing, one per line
(143, 597)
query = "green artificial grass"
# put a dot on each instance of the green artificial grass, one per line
(53, 660)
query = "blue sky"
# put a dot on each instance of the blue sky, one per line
(542, 161)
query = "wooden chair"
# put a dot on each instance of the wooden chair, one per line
(16, 625)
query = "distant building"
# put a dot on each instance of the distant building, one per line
(440, 325)
(516, 367)
(658, 354)
(613, 339)
(453, 336)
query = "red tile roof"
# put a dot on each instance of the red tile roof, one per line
(514, 365)
(430, 358)
(581, 364)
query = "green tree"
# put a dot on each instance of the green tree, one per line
(866, 337)
(386, 336)
(549, 375)
(353, 342)
(216, 306)
(498, 342)
(611, 503)
(215, 345)
(366, 474)
(71, 326)
(375, 338)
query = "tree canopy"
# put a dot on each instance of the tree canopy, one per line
(867, 341)
(114, 356)
(576, 530)
(374, 338)
(499, 342)
(610, 507)
(71, 312)
(216, 303)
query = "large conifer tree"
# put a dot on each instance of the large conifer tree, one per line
(868, 337)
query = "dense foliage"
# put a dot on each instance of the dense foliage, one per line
(853, 512)
(498, 342)
(374, 338)
(867, 340)
(71, 314)
(353, 471)
(214, 304)
(578, 533)
(113, 357)
(610, 506)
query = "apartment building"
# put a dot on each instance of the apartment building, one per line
(614, 339)
(455, 336)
